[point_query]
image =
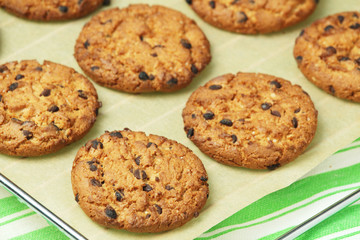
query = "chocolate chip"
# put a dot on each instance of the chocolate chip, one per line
(275, 83)
(27, 134)
(53, 108)
(96, 143)
(328, 28)
(13, 86)
(77, 197)
(79, 2)
(18, 121)
(215, 87)
(234, 138)
(331, 50)
(172, 82)
(168, 187)
(332, 89)
(341, 18)
(185, 43)
(19, 76)
(196, 214)
(137, 174)
(342, 58)
(297, 110)
(110, 212)
(154, 55)
(143, 175)
(193, 116)
(316, 1)
(119, 194)
(355, 15)
(275, 113)
(157, 179)
(355, 26)
(189, 2)
(234, 2)
(0, 97)
(3, 68)
(147, 188)
(302, 33)
(143, 76)
(274, 166)
(243, 18)
(194, 69)
(294, 122)
(82, 94)
(357, 61)
(209, 115)
(106, 2)
(212, 4)
(158, 209)
(226, 122)
(86, 44)
(149, 144)
(95, 182)
(63, 9)
(299, 58)
(141, 38)
(45, 93)
(266, 106)
(148, 216)
(93, 68)
(190, 133)
(203, 178)
(39, 69)
(116, 134)
(93, 167)
(137, 160)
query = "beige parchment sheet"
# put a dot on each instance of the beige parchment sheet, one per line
(47, 178)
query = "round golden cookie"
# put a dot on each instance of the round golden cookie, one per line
(51, 10)
(128, 180)
(328, 54)
(43, 107)
(250, 120)
(253, 16)
(142, 48)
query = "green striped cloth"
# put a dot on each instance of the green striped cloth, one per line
(267, 218)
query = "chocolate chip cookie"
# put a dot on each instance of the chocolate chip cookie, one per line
(128, 180)
(142, 48)
(328, 54)
(253, 16)
(51, 10)
(43, 107)
(250, 120)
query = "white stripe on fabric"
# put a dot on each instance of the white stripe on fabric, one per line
(289, 208)
(15, 215)
(22, 226)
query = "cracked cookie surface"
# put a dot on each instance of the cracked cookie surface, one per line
(50, 10)
(328, 54)
(142, 48)
(43, 107)
(128, 180)
(250, 120)
(253, 16)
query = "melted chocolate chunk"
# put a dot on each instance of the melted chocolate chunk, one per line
(93, 167)
(355, 26)
(243, 18)
(299, 58)
(19, 76)
(301, 33)
(190, 133)
(209, 115)
(158, 209)
(332, 89)
(341, 18)
(110, 212)
(342, 58)
(53, 108)
(212, 4)
(116, 134)
(275, 113)
(172, 82)
(328, 28)
(27, 134)
(13, 86)
(3, 68)
(226, 122)
(39, 69)
(93, 68)
(86, 44)
(106, 2)
(203, 178)
(185, 43)
(119, 194)
(96, 143)
(189, 2)
(215, 87)
(143, 76)
(168, 187)
(274, 166)
(63, 9)
(194, 69)
(234, 138)
(95, 182)
(82, 94)
(147, 188)
(275, 83)
(266, 106)
(77, 197)
(297, 110)
(137, 160)
(294, 122)
(45, 93)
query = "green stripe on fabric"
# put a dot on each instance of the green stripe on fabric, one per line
(46, 233)
(345, 219)
(12, 206)
(357, 140)
(285, 197)
(347, 149)
(276, 216)
(347, 235)
(17, 218)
